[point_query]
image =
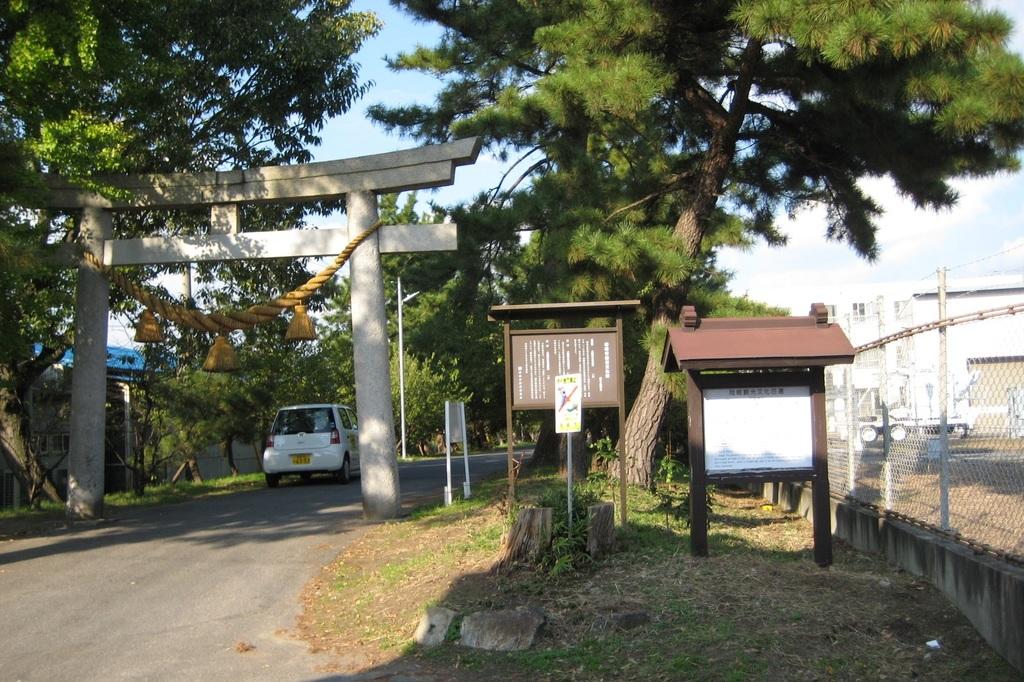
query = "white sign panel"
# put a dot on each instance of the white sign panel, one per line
(757, 428)
(456, 414)
(568, 403)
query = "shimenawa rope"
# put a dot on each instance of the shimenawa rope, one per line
(230, 320)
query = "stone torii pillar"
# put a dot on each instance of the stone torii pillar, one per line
(87, 448)
(378, 464)
(359, 180)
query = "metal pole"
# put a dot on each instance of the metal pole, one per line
(883, 399)
(852, 433)
(887, 475)
(126, 392)
(448, 452)
(465, 451)
(943, 417)
(186, 281)
(568, 468)
(401, 369)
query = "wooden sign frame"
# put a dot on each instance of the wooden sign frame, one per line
(814, 379)
(560, 311)
(763, 354)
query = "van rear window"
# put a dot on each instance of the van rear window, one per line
(304, 420)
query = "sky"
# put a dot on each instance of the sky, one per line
(982, 235)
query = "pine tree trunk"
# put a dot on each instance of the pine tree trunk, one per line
(193, 469)
(258, 451)
(227, 448)
(545, 451)
(643, 426)
(580, 460)
(647, 417)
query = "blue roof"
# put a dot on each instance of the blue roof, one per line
(121, 360)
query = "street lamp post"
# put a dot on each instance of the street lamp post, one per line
(401, 361)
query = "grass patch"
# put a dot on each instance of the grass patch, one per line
(24, 521)
(166, 493)
(757, 606)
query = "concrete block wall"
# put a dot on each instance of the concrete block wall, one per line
(990, 592)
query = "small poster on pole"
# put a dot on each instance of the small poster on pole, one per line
(568, 403)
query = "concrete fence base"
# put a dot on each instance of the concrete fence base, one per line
(988, 591)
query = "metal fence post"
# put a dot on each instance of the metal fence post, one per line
(852, 433)
(943, 407)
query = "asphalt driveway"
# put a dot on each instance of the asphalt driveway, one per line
(202, 590)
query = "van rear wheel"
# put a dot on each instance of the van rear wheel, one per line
(272, 480)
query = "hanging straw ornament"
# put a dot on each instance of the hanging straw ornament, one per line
(301, 327)
(221, 357)
(147, 329)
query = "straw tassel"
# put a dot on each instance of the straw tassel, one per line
(221, 357)
(301, 327)
(147, 329)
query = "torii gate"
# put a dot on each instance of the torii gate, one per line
(358, 179)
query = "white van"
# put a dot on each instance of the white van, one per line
(311, 439)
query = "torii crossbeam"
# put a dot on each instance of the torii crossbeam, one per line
(359, 180)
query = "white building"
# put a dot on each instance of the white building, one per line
(984, 359)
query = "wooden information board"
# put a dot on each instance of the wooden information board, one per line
(539, 356)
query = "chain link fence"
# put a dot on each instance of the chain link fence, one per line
(928, 424)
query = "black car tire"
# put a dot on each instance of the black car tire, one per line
(272, 480)
(344, 474)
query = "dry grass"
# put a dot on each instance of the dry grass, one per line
(757, 608)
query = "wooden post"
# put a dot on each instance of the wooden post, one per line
(508, 416)
(528, 538)
(622, 421)
(600, 529)
(821, 508)
(698, 473)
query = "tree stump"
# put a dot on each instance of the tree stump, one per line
(600, 529)
(529, 536)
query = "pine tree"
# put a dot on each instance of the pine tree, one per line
(686, 119)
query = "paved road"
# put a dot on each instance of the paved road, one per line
(166, 593)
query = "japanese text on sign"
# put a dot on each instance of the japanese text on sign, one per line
(757, 428)
(538, 358)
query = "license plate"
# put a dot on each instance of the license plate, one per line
(300, 459)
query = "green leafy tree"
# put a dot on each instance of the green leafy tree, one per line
(697, 124)
(428, 384)
(91, 88)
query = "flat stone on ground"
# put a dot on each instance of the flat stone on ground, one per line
(506, 630)
(434, 626)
